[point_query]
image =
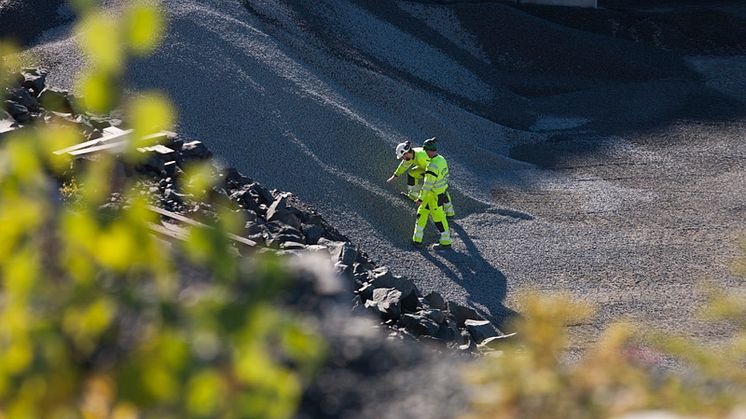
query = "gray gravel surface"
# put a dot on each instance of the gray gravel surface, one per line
(580, 163)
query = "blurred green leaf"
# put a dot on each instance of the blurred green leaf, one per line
(144, 27)
(98, 35)
(198, 179)
(205, 393)
(99, 94)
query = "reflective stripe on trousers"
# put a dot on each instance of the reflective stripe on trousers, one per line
(430, 208)
(419, 233)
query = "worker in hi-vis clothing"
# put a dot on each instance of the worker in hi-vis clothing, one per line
(431, 198)
(414, 161)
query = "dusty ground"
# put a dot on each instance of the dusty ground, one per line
(604, 163)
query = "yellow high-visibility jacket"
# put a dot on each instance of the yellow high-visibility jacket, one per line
(436, 178)
(416, 166)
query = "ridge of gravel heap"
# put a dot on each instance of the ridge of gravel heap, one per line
(277, 221)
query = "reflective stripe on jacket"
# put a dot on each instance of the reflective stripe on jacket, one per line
(436, 178)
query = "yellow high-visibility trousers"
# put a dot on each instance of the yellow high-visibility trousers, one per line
(430, 208)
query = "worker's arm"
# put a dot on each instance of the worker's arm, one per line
(431, 176)
(403, 167)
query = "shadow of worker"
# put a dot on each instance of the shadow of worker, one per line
(485, 284)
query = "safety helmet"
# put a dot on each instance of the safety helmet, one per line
(402, 148)
(430, 144)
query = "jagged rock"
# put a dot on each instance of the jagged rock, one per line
(7, 123)
(462, 313)
(34, 80)
(253, 227)
(365, 292)
(250, 216)
(234, 180)
(24, 98)
(84, 124)
(387, 301)
(359, 275)
(481, 330)
(292, 245)
(419, 325)
(194, 150)
(436, 315)
(468, 344)
(494, 342)
(55, 100)
(156, 164)
(315, 248)
(264, 197)
(343, 270)
(447, 332)
(280, 211)
(342, 252)
(313, 232)
(276, 236)
(97, 122)
(246, 201)
(382, 278)
(435, 300)
(19, 112)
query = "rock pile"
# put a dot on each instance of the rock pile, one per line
(276, 221)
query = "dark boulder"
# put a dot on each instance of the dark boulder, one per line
(436, 315)
(481, 330)
(382, 278)
(313, 232)
(447, 332)
(56, 100)
(245, 200)
(467, 343)
(344, 271)
(462, 313)
(194, 150)
(98, 122)
(34, 80)
(419, 325)
(387, 301)
(292, 245)
(278, 232)
(263, 193)
(342, 252)
(23, 97)
(435, 300)
(233, 180)
(282, 212)
(19, 112)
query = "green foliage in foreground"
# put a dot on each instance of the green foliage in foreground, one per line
(618, 375)
(98, 317)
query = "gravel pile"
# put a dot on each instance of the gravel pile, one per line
(580, 162)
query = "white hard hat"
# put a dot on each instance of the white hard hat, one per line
(402, 148)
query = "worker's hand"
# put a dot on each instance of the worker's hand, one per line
(391, 179)
(418, 202)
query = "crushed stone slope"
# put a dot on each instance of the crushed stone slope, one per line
(311, 97)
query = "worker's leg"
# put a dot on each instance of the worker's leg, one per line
(441, 222)
(414, 184)
(448, 206)
(423, 212)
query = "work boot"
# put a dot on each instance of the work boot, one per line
(439, 247)
(416, 245)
